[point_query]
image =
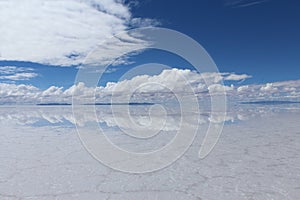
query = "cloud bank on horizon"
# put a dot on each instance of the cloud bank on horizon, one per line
(157, 88)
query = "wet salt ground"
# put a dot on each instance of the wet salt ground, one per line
(257, 157)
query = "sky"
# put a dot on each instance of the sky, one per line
(254, 43)
(260, 39)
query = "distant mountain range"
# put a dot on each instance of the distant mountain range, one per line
(53, 104)
(131, 104)
(97, 104)
(145, 103)
(271, 102)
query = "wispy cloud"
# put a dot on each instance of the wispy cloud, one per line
(19, 76)
(243, 3)
(13, 73)
(13, 69)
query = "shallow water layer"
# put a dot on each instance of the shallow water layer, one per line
(256, 156)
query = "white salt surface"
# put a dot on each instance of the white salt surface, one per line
(256, 158)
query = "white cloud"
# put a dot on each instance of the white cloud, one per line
(242, 88)
(14, 73)
(13, 69)
(156, 88)
(19, 76)
(236, 77)
(12, 93)
(59, 32)
(243, 3)
(218, 88)
(277, 90)
(268, 88)
(56, 91)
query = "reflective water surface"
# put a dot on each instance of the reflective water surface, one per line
(256, 157)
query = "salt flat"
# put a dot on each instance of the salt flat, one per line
(256, 157)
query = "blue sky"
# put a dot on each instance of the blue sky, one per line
(259, 38)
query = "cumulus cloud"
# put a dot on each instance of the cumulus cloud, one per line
(12, 93)
(270, 91)
(218, 88)
(268, 88)
(237, 77)
(155, 88)
(242, 88)
(60, 32)
(53, 90)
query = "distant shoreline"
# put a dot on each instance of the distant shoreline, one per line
(271, 102)
(53, 104)
(96, 104)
